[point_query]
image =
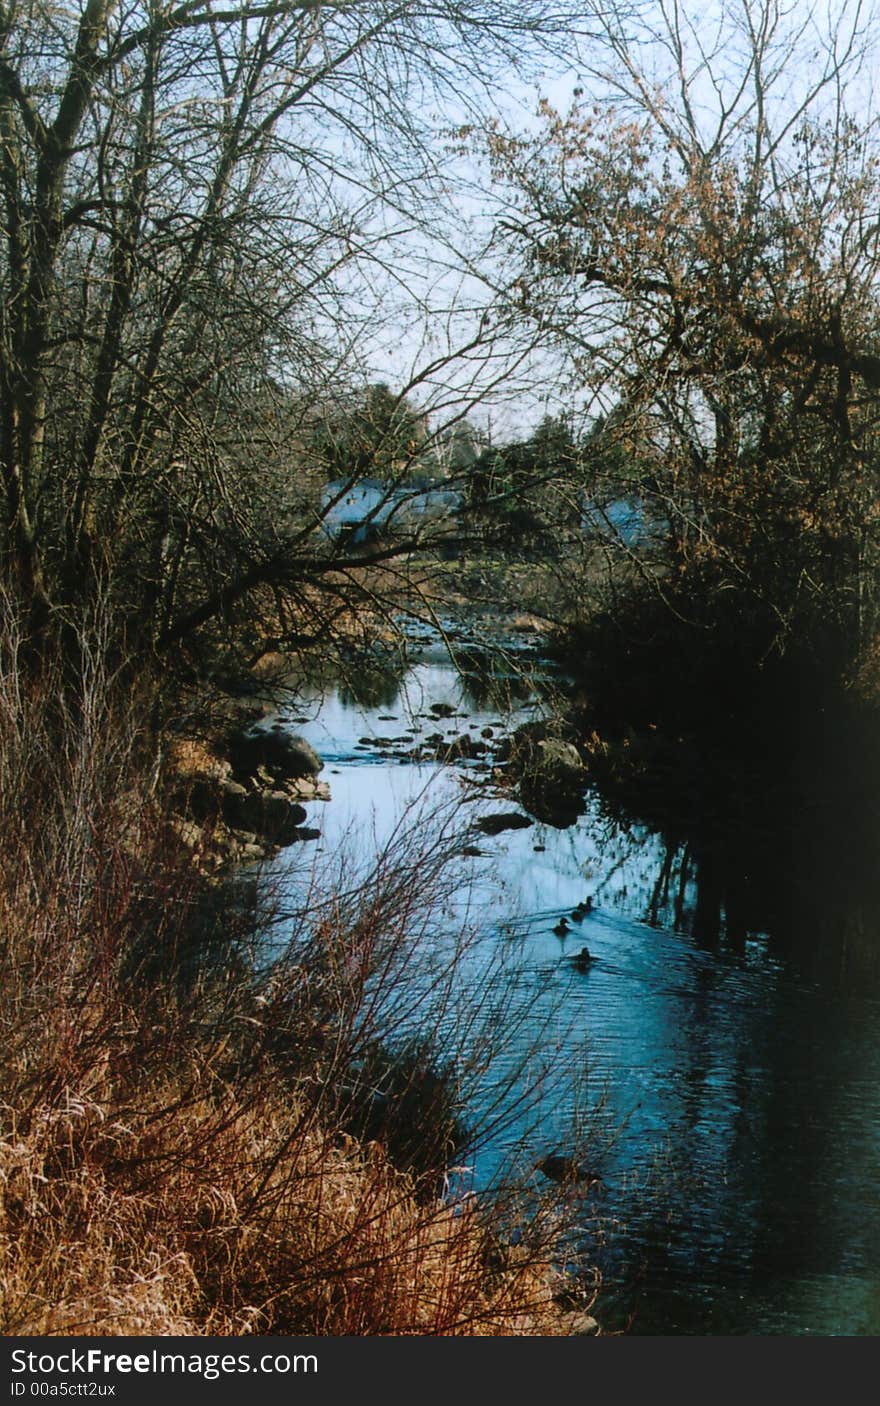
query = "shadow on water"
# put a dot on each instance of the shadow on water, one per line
(761, 1215)
(494, 679)
(369, 677)
(732, 1008)
(374, 681)
(787, 847)
(757, 766)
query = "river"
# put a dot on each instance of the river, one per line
(732, 1094)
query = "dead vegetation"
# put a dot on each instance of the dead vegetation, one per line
(175, 1147)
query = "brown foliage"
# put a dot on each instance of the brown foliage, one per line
(166, 1164)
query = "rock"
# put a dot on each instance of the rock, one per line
(271, 815)
(561, 761)
(520, 746)
(558, 1167)
(229, 799)
(190, 757)
(308, 788)
(284, 754)
(192, 836)
(552, 776)
(283, 819)
(504, 820)
(281, 816)
(252, 853)
(271, 667)
(462, 748)
(200, 799)
(234, 789)
(442, 710)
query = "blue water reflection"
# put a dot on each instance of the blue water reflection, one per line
(735, 1097)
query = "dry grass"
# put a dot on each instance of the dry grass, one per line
(230, 1220)
(173, 1160)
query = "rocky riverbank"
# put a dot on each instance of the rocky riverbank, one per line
(244, 795)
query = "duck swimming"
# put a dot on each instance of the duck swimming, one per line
(562, 927)
(560, 1168)
(583, 960)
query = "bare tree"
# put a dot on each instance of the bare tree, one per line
(203, 208)
(700, 231)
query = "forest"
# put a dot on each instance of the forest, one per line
(330, 333)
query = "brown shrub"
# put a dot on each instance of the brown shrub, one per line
(173, 1159)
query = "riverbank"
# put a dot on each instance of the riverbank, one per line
(239, 790)
(729, 1085)
(179, 1151)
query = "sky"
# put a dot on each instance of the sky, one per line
(425, 297)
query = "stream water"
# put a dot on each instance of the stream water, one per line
(733, 1096)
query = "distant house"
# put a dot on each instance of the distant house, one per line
(626, 521)
(360, 503)
(368, 505)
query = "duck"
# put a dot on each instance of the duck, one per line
(562, 927)
(583, 960)
(558, 1167)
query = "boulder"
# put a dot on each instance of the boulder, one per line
(308, 788)
(252, 853)
(461, 748)
(560, 761)
(191, 835)
(503, 820)
(271, 815)
(265, 815)
(558, 1167)
(233, 789)
(519, 747)
(199, 798)
(284, 754)
(552, 777)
